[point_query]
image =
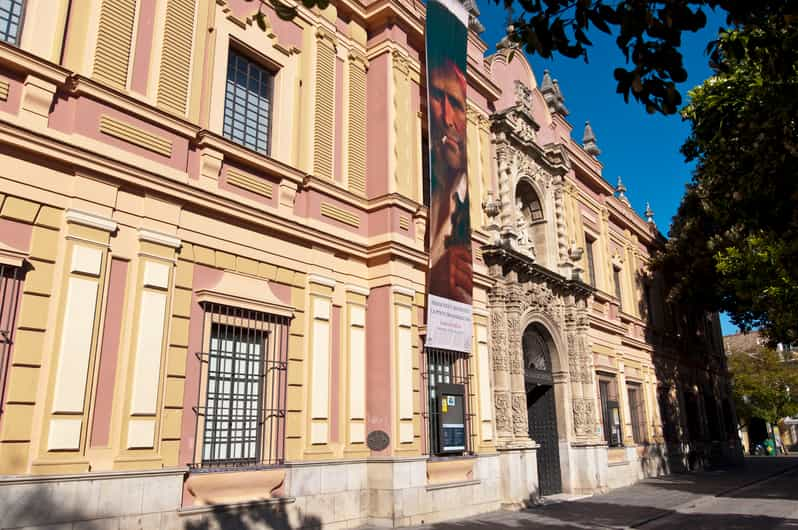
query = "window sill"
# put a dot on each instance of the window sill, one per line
(225, 507)
(448, 485)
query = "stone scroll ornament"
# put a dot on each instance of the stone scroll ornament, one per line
(450, 281)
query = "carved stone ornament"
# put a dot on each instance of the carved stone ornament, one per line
(583, 416)
(523, 96)
(503, 421)
(520, 420)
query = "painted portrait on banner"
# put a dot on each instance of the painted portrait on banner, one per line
(450, 284)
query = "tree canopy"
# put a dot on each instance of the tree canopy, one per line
(763, 385)
(734, 242)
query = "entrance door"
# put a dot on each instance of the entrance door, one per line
(542, 410)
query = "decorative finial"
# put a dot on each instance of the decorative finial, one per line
(620, 189)
(506, 42)
(561, 108)
(546, 85)
(649, 213)
(473, 14)
(589, 141)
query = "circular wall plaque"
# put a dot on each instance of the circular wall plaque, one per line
(378, 440)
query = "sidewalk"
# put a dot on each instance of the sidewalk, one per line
(736, 499)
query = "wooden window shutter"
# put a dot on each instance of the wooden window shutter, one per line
(112, 54)
(178, 39)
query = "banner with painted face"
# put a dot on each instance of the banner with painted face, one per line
(450, 282)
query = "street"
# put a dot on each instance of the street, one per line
(761, 495)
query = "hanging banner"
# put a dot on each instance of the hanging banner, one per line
(450, 286)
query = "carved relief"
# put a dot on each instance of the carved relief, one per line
(498, 342)
(502, 403)
(583, 416)
(520, 421)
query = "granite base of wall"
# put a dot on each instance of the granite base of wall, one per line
(584, 467)
(101, 500)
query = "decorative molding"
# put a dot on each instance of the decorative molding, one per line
(323, 34)
(249, 183)
(136, 136)
(478, 311)
(159, 238)
(321, 280)
(400, 289)
(340, 215)
(357, 289)
(90, 220)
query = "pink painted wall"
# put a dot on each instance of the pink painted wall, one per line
(223, 184)
(82, 116)
(377, 127)
(141, 58)
(287, 32)
(204, 278)
(9, 304)
(15, 234)
(15, 85)
(313, 200)
(379, 368)
(112, 329)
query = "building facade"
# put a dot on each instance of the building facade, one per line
(213, 257)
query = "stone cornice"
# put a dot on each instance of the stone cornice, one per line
(523, 265)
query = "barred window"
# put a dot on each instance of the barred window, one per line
(248, 103)
(637, 413)
(241, 417)
(11, 20)
(10, 287)
(610, 411)
(448, 415)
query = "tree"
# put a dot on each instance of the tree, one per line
(764, 385)
(733, 243)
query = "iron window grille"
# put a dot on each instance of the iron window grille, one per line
(248, 103)
(241, 417)
(610, 412)
(445, 367)
(11, 14)
(10, 288)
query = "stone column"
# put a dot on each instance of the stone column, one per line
(501, 364)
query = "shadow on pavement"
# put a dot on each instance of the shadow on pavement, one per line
(703, 521)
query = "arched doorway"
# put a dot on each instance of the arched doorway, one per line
(541, 407)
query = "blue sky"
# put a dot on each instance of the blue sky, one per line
(642, 148)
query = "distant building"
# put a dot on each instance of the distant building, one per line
(213, 275)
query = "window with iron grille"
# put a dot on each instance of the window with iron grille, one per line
(241, 417)
(443, 371)
(11, 20)
(10, 287)
(610, 411)
(248, 103)
(636, 413)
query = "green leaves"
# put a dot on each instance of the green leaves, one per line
(763, 385)
(734, 241)
(648, 35)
